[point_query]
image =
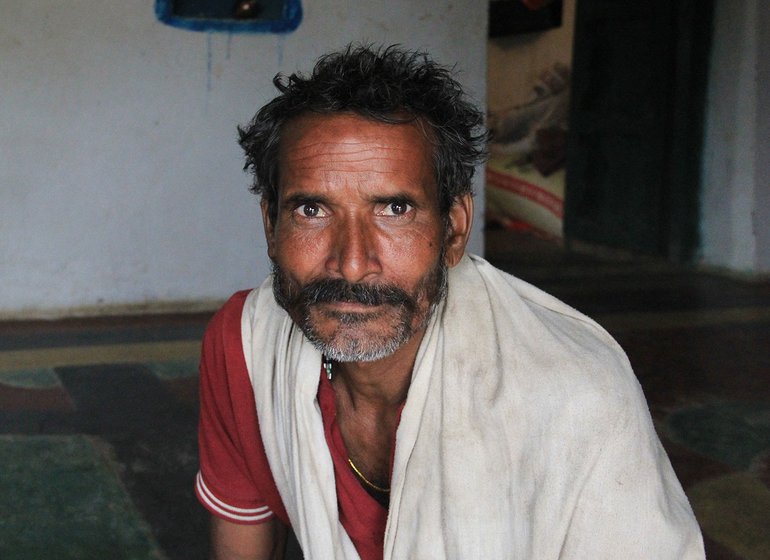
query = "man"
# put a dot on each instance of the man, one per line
(386, 395)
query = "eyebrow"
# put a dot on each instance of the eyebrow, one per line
(395, 197)
(299, 199)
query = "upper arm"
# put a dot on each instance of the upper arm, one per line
(227, 429)
(631, 504)
(233, 541)
(235, 481)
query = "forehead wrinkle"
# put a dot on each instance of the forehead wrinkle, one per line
(326, 149)
(362, 179)
(328, 162)
(344, 148)
(386, 183)
(339, 167)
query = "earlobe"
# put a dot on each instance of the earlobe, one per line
(267, 223)
(459, 230)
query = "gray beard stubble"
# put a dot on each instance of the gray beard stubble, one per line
(328, 290)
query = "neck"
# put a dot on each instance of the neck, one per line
(382, 384)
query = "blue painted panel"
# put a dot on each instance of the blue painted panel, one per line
(283, 18)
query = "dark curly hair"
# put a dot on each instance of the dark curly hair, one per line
(389, 85)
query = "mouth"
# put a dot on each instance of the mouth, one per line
(349, 312)
(350, 306)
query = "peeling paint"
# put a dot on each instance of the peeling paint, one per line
(280, 44)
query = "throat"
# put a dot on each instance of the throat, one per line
(368, 406)
(368, 434)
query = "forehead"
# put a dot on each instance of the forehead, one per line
(349, 142)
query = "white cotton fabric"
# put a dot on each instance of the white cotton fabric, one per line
(525, 435)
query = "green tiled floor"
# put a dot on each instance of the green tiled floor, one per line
(61, 498)
(98, 462)
(40, 378)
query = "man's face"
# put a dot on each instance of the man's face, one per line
(358, 241)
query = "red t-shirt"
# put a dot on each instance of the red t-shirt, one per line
(235, 481)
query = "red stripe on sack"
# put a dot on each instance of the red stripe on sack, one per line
(536, 194)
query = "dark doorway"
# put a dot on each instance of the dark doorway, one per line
(639, 79)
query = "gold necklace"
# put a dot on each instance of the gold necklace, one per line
(365, 481)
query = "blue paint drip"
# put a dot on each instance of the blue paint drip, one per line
(209, 63)
(280, 42)
(289, 21)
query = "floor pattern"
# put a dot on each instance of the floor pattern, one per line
(98, 416)
(98, 447)
(85, 513)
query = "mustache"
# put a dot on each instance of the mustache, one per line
(329, 290)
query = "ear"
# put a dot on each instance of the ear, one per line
(267, 223)
(459, 230)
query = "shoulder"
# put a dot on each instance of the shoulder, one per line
(527, 319)
(222, 346)
(554, 353)
(229, 315)
(233, 461)
(523, 298)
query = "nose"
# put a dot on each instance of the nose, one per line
(354, 254)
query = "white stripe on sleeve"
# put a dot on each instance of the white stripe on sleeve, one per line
(228, 511)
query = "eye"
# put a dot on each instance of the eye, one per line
(310, 210)
(395, 208)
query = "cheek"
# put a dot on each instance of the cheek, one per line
(413, 253)
(300, 253)
(422, 240)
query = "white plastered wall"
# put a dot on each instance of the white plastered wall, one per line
(735, 206)
(120, 176)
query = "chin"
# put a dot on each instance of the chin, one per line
(357, 341)
(356, 354)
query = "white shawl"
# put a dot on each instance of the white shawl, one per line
(524, 435)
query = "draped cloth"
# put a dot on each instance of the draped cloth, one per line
(525, 434)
